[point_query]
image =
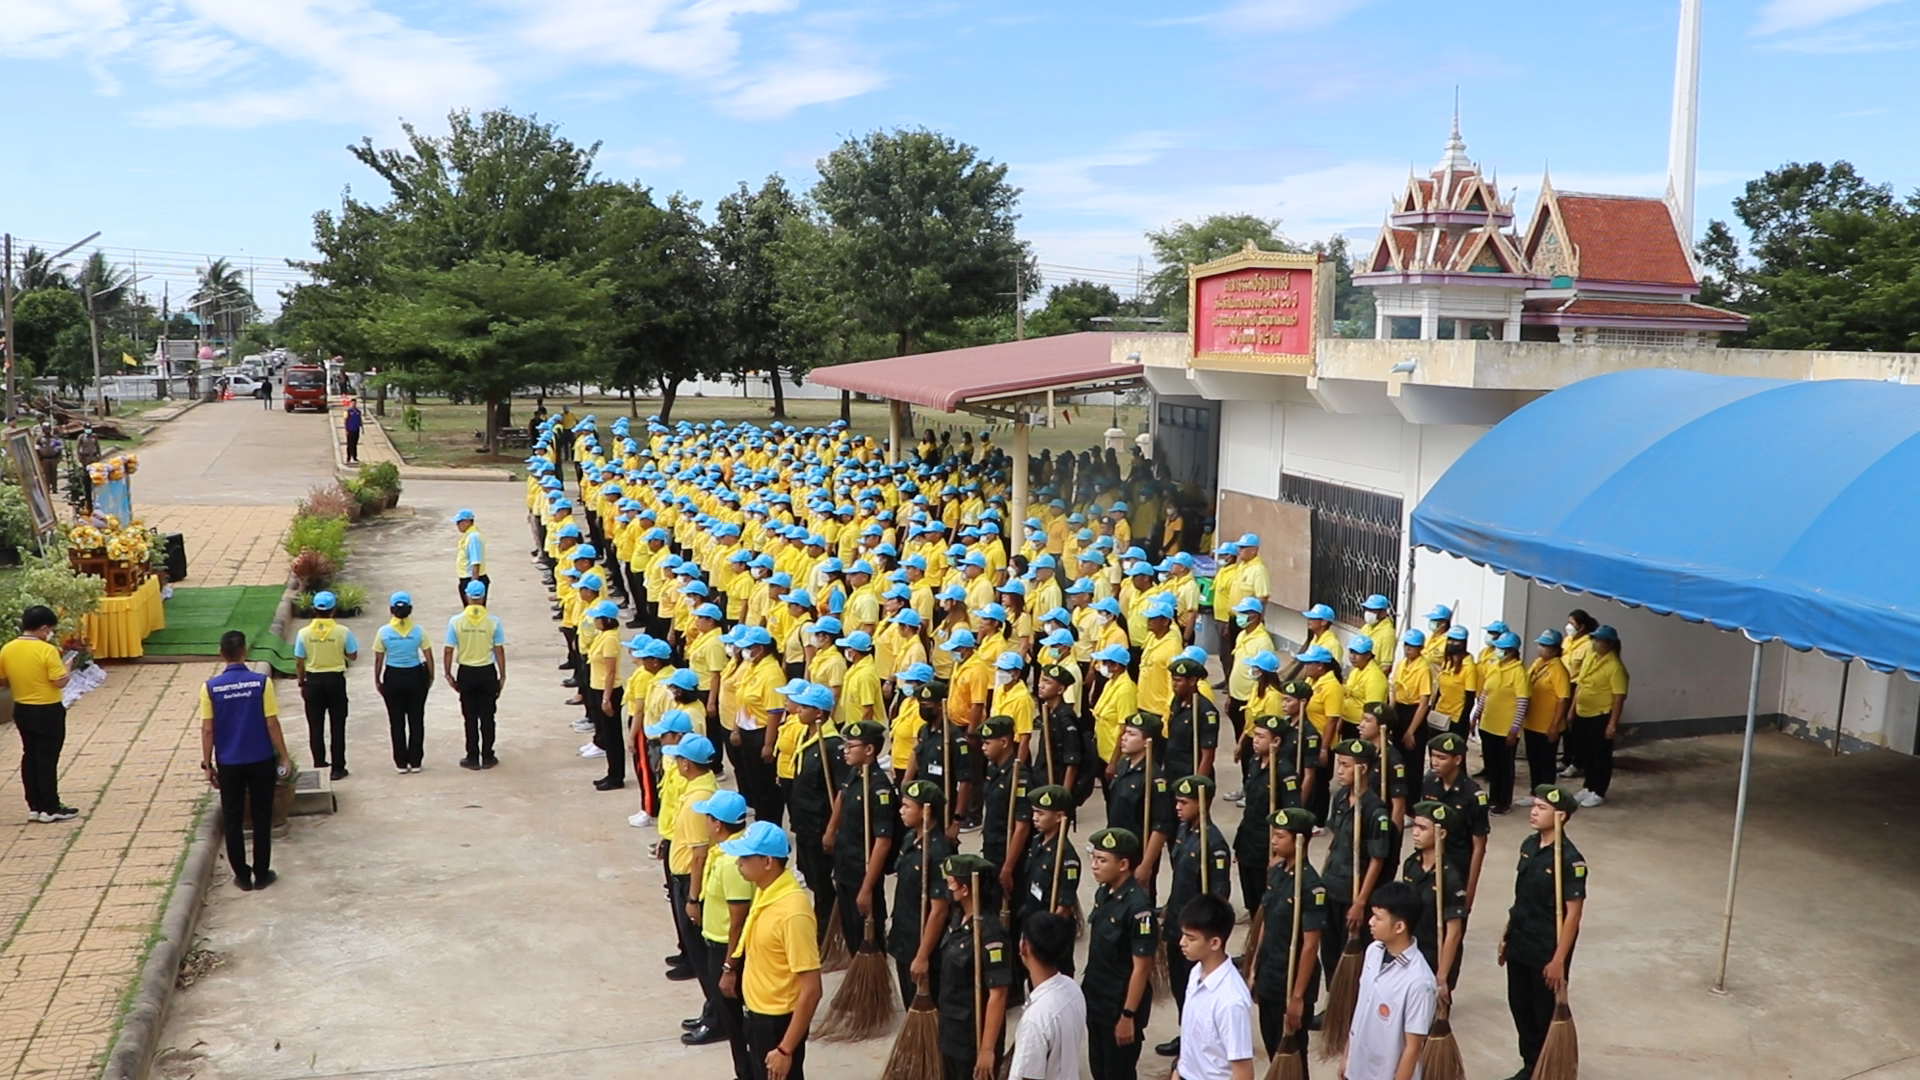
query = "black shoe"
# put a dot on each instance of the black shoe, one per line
(244, 884)
(263, 879)
(610, 783)
(676, 960)
(1170, 1048)
(340, 772)
(469, 762)
(571, 684)
(681, 973)
(489, 761)
(693, 1022)
(633, 624)
(62, 813)
(702, 1036)
(564, 665)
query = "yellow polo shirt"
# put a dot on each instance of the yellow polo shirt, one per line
(31, 665)
(1156, 682)
(778, 945)
(689, 825)
(1601, 677)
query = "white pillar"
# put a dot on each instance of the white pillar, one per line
(1019, 502)
(1683, 139)
(896, 428)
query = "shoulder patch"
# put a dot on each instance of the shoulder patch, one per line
(1386, 824)
(1319, 896)
(1143, 924)
(995, 954)
(1159, 785)
(882, 796)
(1481, 798)
(1579, 869)
(1073, 872)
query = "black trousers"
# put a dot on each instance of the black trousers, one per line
(1108, 1060)
(727, 1012)
(240, 784)
(706, 969)
(1401, 720)
(1253, 879)
(1272, 1017)
(1531, 1004)
(816, 866)
(763, 1035)
(405, 690)
(43, 731)
(1498, 755)
(852, 923)
(759, 784)
(479, 694)
(1540, 764)
(1596, 751)
(686, 935)
(1333, 938)
(353, 445)
(608, 734)
(326, 700)
(483, 579)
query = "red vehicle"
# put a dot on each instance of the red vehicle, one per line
(305, 388)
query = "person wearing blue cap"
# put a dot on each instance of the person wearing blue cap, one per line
(469, 553)
(402, 674)
(725, 897)
(1184, 589)
(1599, 699)
(1364, 685)
(707, 656)
(605, 689)
(685, 840)
(775, 969)
(1376, 612)
(1247, 621)
(321, 652)
(1157, 652)
(758, 715)
(1500, 712)
(860, 697)
(1320, 629)
(1413, 690)
(474, 657)
(1011, 697)
(1550, 697)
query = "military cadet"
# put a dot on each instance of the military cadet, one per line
(976, 966)
(1006, 814)
(1286, 1006)
(1122, 937)
(1202, 866)
(861, 834)
(1362, 840)
(1193, 722)
(1536, 951)
(920, 897)
(1392, 778)
(1138, 799)
(941, 755)
(1447, 782)
(1052, 879)
(1056, 753)
(1299, 751)
(1443, 906)
(1270, 786)
(819, 772)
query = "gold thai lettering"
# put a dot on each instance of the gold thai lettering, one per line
(1272, 319)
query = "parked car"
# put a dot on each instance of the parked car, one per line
(242, 385)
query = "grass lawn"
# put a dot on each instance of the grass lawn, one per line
(447, 431)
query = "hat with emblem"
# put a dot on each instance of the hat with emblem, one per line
(1052, 797)
(1276, 725)
(924, 792)
(1437, 812)
(1191, 787)
(967, 864)
(1293, 819)
(1146, 723)
(864, 731)
(1059, 673)
(1187, 668)
(1557, 797)
(1119, 842)
(932, 691)
(1448, 742)
(997, 727)
(1297, 688)
(1357, 749)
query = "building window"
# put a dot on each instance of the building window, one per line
(1658, 339)
(1404, 327)
(1447, 331)
(1483, 329)
(1355, 541)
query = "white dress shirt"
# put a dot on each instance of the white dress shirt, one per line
(1216, 1028)
(1052, 1031)
(1397, 997)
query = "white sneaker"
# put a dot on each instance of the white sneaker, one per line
(1522, 800)
(1570, 771)
(38, 818)
(1236, 796)
(583, 725)
(1589, 799)
(640, 820)
(592, 751)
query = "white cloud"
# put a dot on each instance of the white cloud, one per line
(671, 36)
(1269, 16)
(1783, 15)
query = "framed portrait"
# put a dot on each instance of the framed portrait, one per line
(26, 468)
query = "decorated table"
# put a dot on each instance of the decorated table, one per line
(117, 630)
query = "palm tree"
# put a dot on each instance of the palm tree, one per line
(36, 274)
(223, 292)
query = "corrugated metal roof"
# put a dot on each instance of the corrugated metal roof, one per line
(947, 380)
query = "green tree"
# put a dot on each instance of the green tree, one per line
(659, 274)
(37, 273)
(1718, 253)
(1185, 243)
(919, 232)
(491, 325)
(1072, 307)
(1352, 305)
(222, 298)
(45, 324)
(746, 236)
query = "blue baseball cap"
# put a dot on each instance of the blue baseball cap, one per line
(1082, 587)
(1415, 637)
(1108, 605)
(586, 551)
(917, 673)
(476, 590)
(1045, 562)
(1013, 587)
(324, 600)
(859, 641)
(1264, 660)
(1249, 540)
(708, 611)
(1321, 612)
(1508, 640)
(801, 597)
(1249, 606)
(400, 598)
(1606, 633)
(684, 679)
(961, 639)
(1010, 661)
(1457, 633)
(812, 695)
(723, 805)
(1548, 637)
(1058, 637)
(1497, 627)
(1159, 607)
(605, 609)
(673, 721)
(754, 635)
(695, 748)
(760, 838)
(1360, 644)
(1376, 602)
(951, 594)
(827, 625)
(1315, 654)
(907, 617)
(1112, 654)
(462, 515)
(991, 611)
(1440, 611)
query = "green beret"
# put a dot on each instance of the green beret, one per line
(1437, 812)
(1059, 673)
(1146, 723)
(864, 731)
(933, 691)
(1116, 841)
(1557, 797)
(924, 792)
(965, 865)
(1051, 797)
(1357, 749)
(997, 727)
(1191, 669)
(1190, 787)
(1293, 819)
(1299, 688)
(1374, 708)
(1450, 743)
(1277, 725)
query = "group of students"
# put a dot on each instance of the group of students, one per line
(884, 671)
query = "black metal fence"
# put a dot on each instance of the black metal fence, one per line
(1356, 543)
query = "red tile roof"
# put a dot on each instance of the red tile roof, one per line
(1622, 238)
(1637, 309)
(945, 380)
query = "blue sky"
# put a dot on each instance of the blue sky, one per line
(195, 127)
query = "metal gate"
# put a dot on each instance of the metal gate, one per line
(1356, 543)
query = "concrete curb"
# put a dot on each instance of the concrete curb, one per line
(133, 1049)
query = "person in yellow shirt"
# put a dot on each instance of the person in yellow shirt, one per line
(33, 667)
(707, 657)
(650, 656)
(909, 644)
(1012, 698)
(1320, 629)
(779, 951)
(605, 690)
(1365, 683)
(1413, 690)
(1185, 590)
(1599, 700)
(321, 650)
(1377, 612)
(1225, 569)
(1458, 678)
(1157, 654)
(1118, 701)
(1550, 694)
(860, 698)
(1500, 713)
(1439, 627)
(758, 718)
(1044, 594)
(904, 732)
(725, 897)
(972, 685)
(829, 665)
(1248, 620)
(684, 843)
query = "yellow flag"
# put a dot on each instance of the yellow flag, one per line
(128, 360)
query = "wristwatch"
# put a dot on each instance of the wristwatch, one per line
(1131, 1014)
(206, 764)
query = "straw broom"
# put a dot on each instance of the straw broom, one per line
(863, 1006)
(1258, 920)
(916, 1051)
(1343, 993)
(833, 949)
(1161, 980)
(1560, 1054)
(1440, 1059)
(1290, 1057)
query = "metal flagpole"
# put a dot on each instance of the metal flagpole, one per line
(1740, 816)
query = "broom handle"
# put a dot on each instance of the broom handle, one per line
(1146, 798)
(1206, 848)
(946, 761)
(1293, 943)
(866, 826)
(1559, 897)
(979, 976)
(1440, 904)
(1353, 801)
(1193, 724)
(1059, 856)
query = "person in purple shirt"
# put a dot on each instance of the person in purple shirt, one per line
(353, 432)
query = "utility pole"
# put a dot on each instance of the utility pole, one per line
(93, 331)
(8, 256)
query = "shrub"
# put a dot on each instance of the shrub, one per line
(50, 581)
(349, 601)
(313, 569)
(16, 521)
(371, 499)
(383, 477)
(330, 500)
(324, 534)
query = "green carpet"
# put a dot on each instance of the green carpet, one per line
(197, 617)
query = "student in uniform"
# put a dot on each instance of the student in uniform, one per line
(1053, 1026)
(1447, 782)
(1299, 753)
(819, 772)
(1057, 732)
(1392, 779)
(1357, 810)
(861, 834)
(1286, 1007)
(1005, 808)
(322, 650)
(1439, 929)
(779, 950)
(976, 952)
(1216, 1018)
(475, 660)
(1202, 866)
(1193, 721)
(402, 675)
(920, 898)
(1122, 937)
(1052, 879)
(1270, 786)
(1139, 799)
(1395, 1007)
(942, 757)
(1536, 954)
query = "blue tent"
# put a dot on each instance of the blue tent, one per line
(1786, 510)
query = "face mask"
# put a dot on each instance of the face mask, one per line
(1002, 678)
(1372, 617)
(1437, 627)
(1241, 620)
(1105, 618)
(1572, 630)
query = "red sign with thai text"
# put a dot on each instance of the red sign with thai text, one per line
(1258, 311)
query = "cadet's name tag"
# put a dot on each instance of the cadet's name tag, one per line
(934, 770)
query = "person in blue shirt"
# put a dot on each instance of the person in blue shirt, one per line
(403, 673)
(469, 553)
(353, 432)
(244, 755)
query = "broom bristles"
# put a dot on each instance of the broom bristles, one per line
(863, 1006)
(1162, 980)
(1440, 1059)
(833, 950)
(916, 1052)
(1342, 995)
(1289, 1059)
(1560, 1056)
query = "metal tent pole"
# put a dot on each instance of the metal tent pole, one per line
(1840, 711)
(1740, 816)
